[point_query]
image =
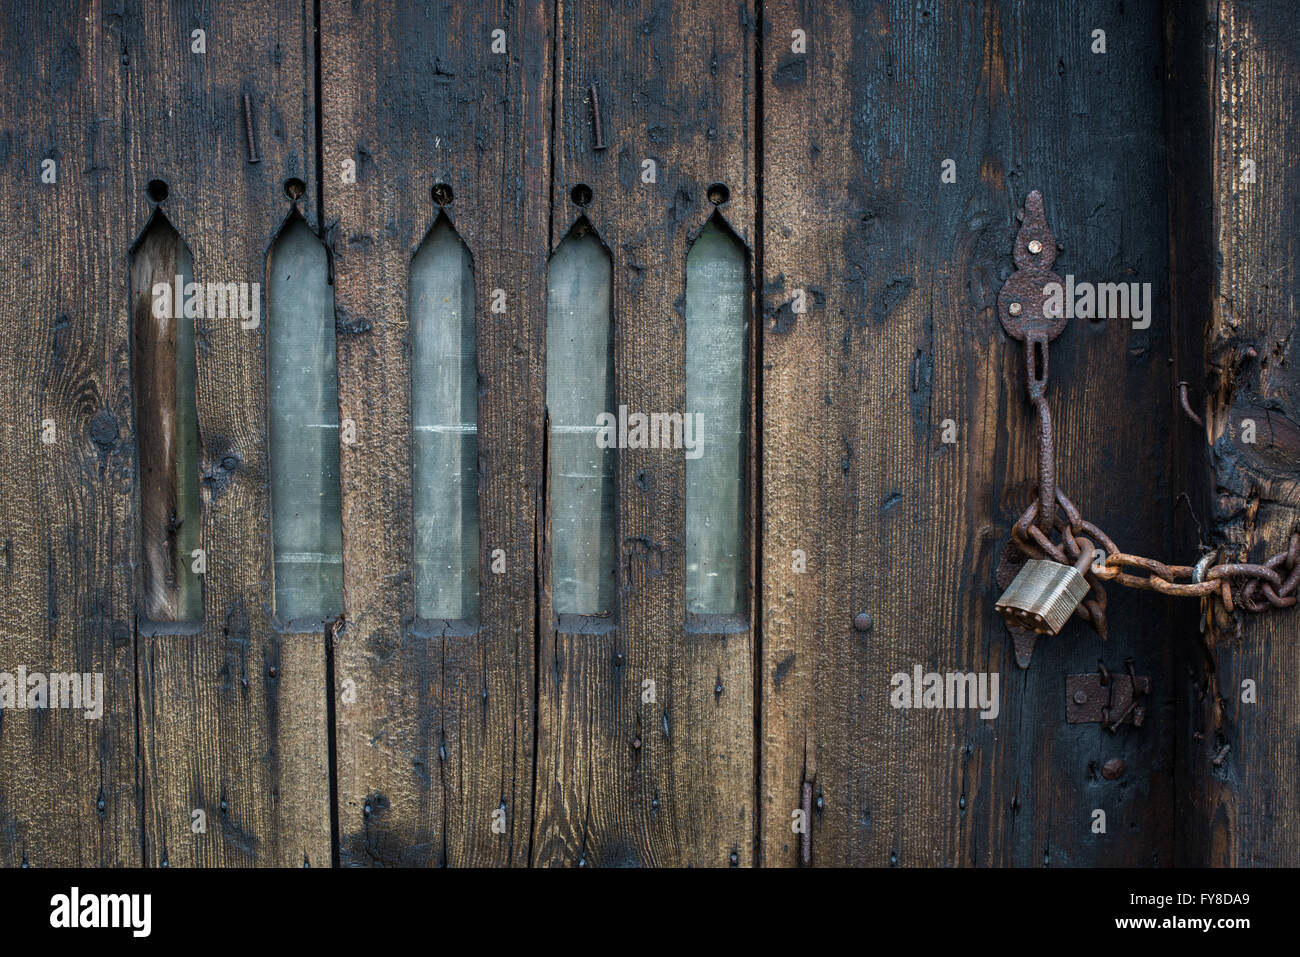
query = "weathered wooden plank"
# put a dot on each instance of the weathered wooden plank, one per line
(1242, 765)
(630, 772)
(232, 718)
(438, 739)
(901, 273)
(67, 510)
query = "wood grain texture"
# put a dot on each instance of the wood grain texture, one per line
(440, 736)
(231, 718)
(622, 778)
(902, 273)
(1242, 764)
(67, 509)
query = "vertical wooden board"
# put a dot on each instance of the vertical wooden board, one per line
(1243, 765)
(629, 773)
(439, 738)
(1190, 119)
(68, 791)
(901, 273)
(232, 716)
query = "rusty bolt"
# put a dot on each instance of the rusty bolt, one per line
(862, 622)
(1035, 246)
(1113, 769)
(1080, 697)
(1014, 309)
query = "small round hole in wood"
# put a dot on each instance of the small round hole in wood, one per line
(581, 194)
(294, 188)
(718, 193)
(157, 190)
(442, 194)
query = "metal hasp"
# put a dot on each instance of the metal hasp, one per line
(1106, 698)
(1021, 309)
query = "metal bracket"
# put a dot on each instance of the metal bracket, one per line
(1022, 301)
(1106, 698)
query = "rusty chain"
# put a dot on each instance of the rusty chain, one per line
(1274, 583)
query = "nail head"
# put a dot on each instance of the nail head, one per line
(862, 622)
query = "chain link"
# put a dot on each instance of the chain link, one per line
(1023, 311)
(1274, 583)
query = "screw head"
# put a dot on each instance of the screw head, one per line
(1081, 697)
(1014, 309)
(862, 622)
(1035, 246)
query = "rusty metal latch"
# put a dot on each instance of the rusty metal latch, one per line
(1052, 530)
(1107, 698)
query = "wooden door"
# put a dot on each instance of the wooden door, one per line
(362, 579)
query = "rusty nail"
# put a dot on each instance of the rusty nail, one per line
(1113, 769)
(274, 671)
(595, 117)
(1081, 697)
(1014, 309)
(1187, 406)
(805, 839)
(862, 622)
(248, 128)
(1035, 246)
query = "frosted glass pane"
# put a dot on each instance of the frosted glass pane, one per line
(302, 389)
(163, 370)
(444, 413)
(580, 386)
(716, 327)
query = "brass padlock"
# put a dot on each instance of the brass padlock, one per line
(1044, 594)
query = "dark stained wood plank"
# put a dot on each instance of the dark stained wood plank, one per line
(232, 718)
(439, 738)
(67, 511)
(1242, 809)
(621, 779)
(901, 274)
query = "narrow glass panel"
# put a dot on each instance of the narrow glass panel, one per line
(444, 413)
(302, 390)
(716, 337)
(167, 431)
(579, 387)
